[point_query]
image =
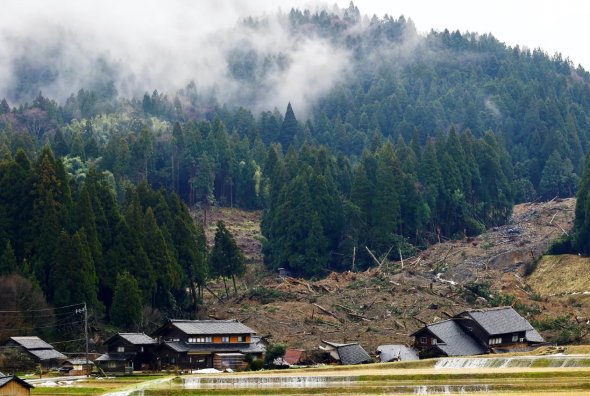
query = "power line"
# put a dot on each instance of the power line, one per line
(43, 309)
(33, 327)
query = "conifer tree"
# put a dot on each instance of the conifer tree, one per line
(127, 302)
(8, 264)
(289, 128)
(226, 258)
(166, 268)
(581, 238)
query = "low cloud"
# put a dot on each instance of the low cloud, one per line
(59, 47)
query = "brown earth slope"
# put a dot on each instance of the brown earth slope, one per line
(386, 305)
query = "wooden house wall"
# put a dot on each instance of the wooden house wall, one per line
(14, 388)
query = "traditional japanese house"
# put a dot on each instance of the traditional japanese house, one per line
(476, 332)
(37, 351)
(11, 385)
(197, 344)
(128, 352)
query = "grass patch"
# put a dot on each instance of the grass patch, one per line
(566, 273)
(57, 390)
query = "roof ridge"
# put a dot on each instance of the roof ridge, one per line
(205, 320)
(489, 309)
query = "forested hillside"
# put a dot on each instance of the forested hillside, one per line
(418, 139)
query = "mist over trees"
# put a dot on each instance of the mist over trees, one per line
(417, 140)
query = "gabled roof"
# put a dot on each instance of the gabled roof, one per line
(133, 338)
(6, 379)
(38, 348)
(77, 361)
(454, 340)
(353, 354)
(182, 347)
(534, 336)
(114, 357)
(47, 354)
(211, 327)
(31, 342)
(499, 320)
(292, 355)
(387, 353)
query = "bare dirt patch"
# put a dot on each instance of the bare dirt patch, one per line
(382, 306)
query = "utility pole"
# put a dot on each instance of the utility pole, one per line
(86, 333)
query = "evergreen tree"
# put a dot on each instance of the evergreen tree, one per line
(127, 302)
(8, 264)
(289, 128)
(74, 276)
(226, 258)
(581, 237)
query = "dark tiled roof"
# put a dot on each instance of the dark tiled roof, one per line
(182, 347)
(47, 354)
(137, 338)
(6, 379)
(500, 320)
(31, 342)
(76, 361)
(387, 353)
(353, 354)
(455, 342)
(114, 357)
(211, 327)
(534, 336)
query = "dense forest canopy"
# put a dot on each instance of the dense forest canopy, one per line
(417, 139)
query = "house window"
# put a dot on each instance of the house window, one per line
(171, 339)
(495, 341)
(433, 341)
(241, 338)
(192, 339)
(120, 349)
(112, 365)
(141, 349)
(225, 339)
(423, 340)
(203, 339)
(514, 337)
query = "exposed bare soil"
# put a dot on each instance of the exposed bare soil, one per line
(381, 306)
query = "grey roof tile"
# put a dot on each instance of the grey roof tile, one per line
(387, 353)
(137, 338)
(31, 342)
(500, 320)
(47, 354)
(211, 327)
(455, 342)
(534, 336)
(117, 357)
(353, 354)
(213, 348)
(6, 379)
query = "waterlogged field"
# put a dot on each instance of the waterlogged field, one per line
(518, 375)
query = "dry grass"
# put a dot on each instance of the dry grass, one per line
(559, 275)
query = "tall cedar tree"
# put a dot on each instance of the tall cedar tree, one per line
(289, 128)
(127, 302)
(226, 258)
(8, 263)
(581, 239)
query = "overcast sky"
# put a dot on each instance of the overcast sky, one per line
(164, 44)
(555, 26)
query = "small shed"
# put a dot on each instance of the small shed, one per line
(346, 354)
(293, 356)
(11, 385)
(396, 353)
(77, 366)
